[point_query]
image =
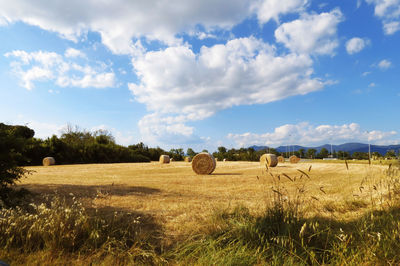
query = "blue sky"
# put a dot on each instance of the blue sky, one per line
(202, 74)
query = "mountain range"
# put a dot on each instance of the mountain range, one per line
(348, 147)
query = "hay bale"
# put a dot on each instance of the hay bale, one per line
(203, 163)
(269, 159)
(188, 159)
(164, 159)
(294, 159)
(49, 161)
(171, 160)
(281, 159)
(224, 160)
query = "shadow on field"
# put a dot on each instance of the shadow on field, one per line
(90, 191)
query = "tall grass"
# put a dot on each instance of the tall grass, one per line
(65, 227)
(283, 234)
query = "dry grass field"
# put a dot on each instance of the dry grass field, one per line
(181, 200)
(312, 212)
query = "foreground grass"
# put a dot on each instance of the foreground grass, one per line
(58, 229)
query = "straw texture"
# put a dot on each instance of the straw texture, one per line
(203, 163)
(269, 159)
(164, 159)
(49, 161)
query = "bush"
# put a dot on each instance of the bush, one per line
(12, 144)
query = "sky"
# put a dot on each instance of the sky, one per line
(203, 74)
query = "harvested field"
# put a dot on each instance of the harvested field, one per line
(181, 200)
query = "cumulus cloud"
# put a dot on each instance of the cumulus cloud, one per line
(384, 64)
(355, 45)
(44, 66)
(71, 52)
(272, 9)
(307, 134)
(153, 20)
(389, 12)
(243, 71)
(391, 27)
(179, 86)
(311, 33)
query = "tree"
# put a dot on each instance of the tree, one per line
(390, 154)
(302, 153)
(344, 155)
(311, 153)
(360, 155)
(177, 154)
(12, 145)
(323, 153)
(190, 152)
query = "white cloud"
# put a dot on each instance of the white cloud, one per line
(391, 27)
(389, 12)
(384, 64)
(355, 45)
(272, 9)
(366, 73)
(49, 66)
(157, 129)
(307, 134)
(311, 33)
(176, 84)
(71, 52)
(120, 21)
(244, 71)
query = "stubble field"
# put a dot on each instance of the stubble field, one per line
(182, 201)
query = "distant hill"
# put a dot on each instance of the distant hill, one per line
(348, 147)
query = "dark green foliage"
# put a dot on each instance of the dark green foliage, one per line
(18, 148)
(176, 154)
(13, 141)
(242, 154)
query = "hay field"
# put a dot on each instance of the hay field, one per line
(182, 200)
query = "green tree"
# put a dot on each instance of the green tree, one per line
(311, 153)
(12, 145)
(360, 155)
(390, 154)
(323, 153)
(344, 155)
(190, 152)
(302, 153)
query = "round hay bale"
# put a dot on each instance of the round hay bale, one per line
(49, 161)
(294, 159)
(224, 160)
(203, 163)
(164, 159)
(269, 159)
(188, 159)
(171, 160)
(281, 159)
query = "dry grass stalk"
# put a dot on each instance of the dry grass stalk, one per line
(269, 159)
(49, 161)
(164, 159)
(203, 163)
